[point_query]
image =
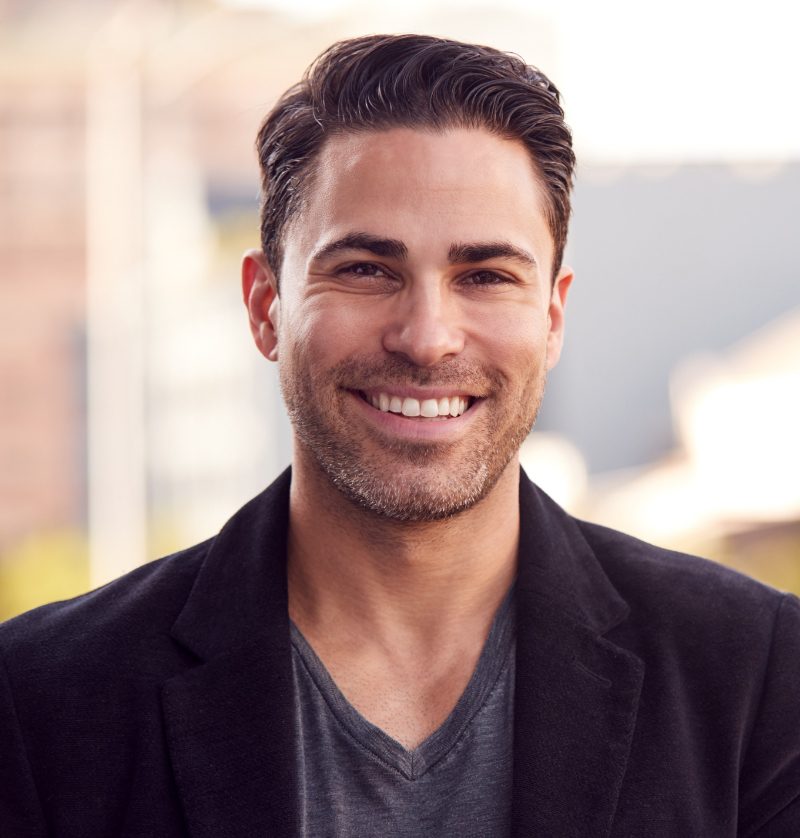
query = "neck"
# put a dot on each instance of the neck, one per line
(401, 583)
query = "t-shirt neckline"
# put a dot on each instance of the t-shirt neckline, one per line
(412, 764)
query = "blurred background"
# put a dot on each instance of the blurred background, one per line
(135, 414)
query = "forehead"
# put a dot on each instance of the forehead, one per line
(427, 188)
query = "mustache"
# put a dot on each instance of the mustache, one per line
(368, 373)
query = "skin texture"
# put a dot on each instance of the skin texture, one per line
(403, 531)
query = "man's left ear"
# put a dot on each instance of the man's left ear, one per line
(260, 293)
(555, 315)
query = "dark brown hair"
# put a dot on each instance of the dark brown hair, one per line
(413, 81)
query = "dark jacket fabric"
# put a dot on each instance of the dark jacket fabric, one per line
(656, 694)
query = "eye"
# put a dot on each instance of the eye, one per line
(368, 269)
(487, 278)
(366, 277)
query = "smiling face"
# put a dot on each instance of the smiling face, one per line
(415, 322)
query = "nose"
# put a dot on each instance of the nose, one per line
(424, 325)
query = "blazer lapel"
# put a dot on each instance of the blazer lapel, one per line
(577, 693)
(230, 719)
(230, 730)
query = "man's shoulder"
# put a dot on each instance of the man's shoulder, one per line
(630, 561)
(134, 620)
(608, 577)
(670, 592)
(105, 622)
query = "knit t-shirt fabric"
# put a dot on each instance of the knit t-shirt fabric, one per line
(355, 780)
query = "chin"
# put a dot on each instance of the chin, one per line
(411, 499)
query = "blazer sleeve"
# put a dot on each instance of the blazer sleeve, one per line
(770, 779)
(21, 813)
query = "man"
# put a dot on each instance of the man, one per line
(404, 636)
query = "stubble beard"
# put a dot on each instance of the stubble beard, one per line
(403, 480)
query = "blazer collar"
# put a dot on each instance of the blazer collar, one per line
(230, 721)
(240, 592)
(576, 693)
(557, 564)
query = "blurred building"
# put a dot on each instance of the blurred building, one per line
(670, 261)
(729, 487)
(42, 309)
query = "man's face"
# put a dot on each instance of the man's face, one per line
(416, 280)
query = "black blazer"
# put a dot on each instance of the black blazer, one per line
(656, 694)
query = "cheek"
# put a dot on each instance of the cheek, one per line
(514, 339)
(325, 334)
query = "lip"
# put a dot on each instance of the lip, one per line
(405, 427)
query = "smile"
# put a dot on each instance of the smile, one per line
(433, 408)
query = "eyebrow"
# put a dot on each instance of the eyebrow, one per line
(386, 248)
(458, 254)
(483, 251)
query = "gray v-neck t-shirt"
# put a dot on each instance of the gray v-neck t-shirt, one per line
(355, 780)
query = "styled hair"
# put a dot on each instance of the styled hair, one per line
(378, 82)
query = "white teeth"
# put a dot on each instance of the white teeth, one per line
(427, 408)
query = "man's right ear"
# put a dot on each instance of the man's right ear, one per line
(260, 293)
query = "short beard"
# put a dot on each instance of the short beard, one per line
(396, 502)
(345, 462)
